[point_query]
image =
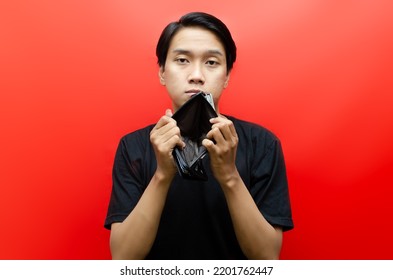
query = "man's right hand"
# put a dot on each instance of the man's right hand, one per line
(164, 137)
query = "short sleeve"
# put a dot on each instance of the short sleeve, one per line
(269, 184)
(128, 180)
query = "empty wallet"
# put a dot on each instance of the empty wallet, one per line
(193, 120)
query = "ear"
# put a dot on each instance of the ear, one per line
(161, 75)
(227, 81)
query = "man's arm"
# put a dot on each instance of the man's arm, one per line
(134, 237)
(257, 238)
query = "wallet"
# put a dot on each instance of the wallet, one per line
(193, 120)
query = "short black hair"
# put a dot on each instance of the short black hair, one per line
(203, 20)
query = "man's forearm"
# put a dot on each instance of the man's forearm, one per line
(134, 237)
(257, 238)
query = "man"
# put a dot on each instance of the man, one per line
(241, 211)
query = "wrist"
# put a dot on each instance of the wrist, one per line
(163, 178)
(230, 180)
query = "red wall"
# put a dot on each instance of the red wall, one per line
(77, 75)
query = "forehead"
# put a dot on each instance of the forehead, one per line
(195, 37)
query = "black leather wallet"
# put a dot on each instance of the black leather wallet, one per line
(193, 120)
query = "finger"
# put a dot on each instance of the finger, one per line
(233, 130)
(175, 138)
(223, 129)
(216, 135)
(168, 113)
(176, 141)
(208, 144)
(216, 120)
(169, 134)
(226, 126)
(219, 121)
(168, 141)
(164, 121)
(164, 133)
(229, 131)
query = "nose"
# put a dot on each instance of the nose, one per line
(196, 75)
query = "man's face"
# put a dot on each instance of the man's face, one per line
(195, 62)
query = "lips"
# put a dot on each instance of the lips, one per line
(192, 92)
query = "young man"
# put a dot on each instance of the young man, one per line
(241, 211)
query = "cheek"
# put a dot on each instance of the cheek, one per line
(172, 83)
(172, 76)
(220, 82)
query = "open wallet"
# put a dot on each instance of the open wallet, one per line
(193, 120)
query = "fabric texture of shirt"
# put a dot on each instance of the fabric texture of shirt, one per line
(195, 222)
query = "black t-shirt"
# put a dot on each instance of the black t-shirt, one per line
(195, 223)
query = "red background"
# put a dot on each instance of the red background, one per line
(77, 75)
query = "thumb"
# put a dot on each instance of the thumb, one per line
(168, 113)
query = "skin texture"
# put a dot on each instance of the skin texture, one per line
(195, 62)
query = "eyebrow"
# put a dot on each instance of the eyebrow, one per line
(183, 51)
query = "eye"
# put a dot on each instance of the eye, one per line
(181, 60)
(212, 62)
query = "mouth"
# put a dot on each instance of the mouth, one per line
(192, 92)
